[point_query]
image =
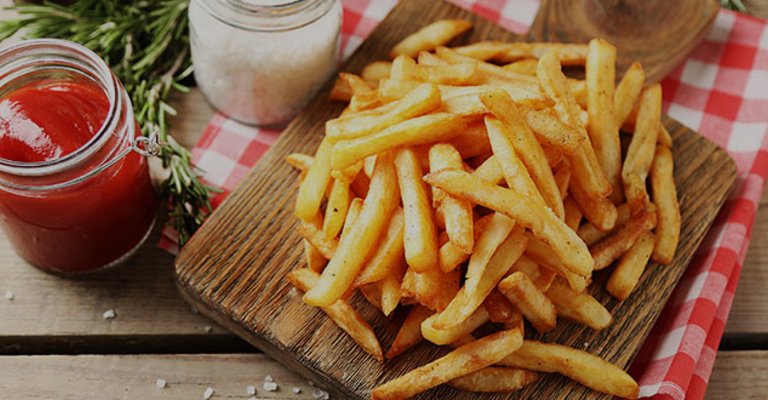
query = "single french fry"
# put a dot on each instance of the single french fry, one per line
(572, 214)
(541, 254)
(457, 213)
(627, 92)
(433, 289)
(500, 310)
(534, 305)
(376, 71)
(372, 294)
(579, 307)
(466, 359)
(586, 168)
(492, 74)
(480, 284)
(343, 314)
(527, 147)
(602, 127)
(499, 228)
(390, 293)
(420, 237)
(449, 335)
(405, 68)
(336, 209)
(587, 369)
(642, 148)
(431, 36)
(450, 256)
(540, 220)
(312, 232)
(550, 130)
(312, 189)
(567, 53)
(302, 162)
(316, 261)
(353, 249)
(541, 277)
(563, 179)
(600, 211)
(591, 235)
(495, 380)
(388, 257)
(630, 267)
(473, 142)
(341, 91)
(515, 173)
(352, 213)
(420, 130)
(363, 96)
(423, 99)
(667, 207)
(579, 89)
(617, 243)
(665, 139)
(409, 334)
(489, 171)
(526, 66)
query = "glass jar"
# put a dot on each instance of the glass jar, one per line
(261, 61)
(91, 207)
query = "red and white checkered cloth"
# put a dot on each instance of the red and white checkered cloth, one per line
(721, 91)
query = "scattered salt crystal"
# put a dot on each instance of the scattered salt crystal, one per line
(586, 344)
(269, 378)
(252, 398)
(250, 389)
(208, 393)
(208, 328)
(344, 376)
(296, 390)
(109, 314)
(161, 383)
(270, 386)
(320, 395)
(9, 295)
(310, 383)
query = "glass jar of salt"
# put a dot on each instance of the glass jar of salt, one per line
(260, 61)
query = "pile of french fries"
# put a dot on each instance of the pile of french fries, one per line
(478, 185)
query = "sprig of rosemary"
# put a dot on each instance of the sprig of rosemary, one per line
(734, 5)
(146, 43)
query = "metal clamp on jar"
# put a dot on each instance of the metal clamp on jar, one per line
(260, 62)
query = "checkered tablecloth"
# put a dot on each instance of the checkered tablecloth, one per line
(721, 91)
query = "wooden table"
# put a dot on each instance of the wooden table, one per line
(55, 343)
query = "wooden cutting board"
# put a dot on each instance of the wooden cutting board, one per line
(233, 269)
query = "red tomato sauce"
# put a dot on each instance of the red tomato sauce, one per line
(87, 225)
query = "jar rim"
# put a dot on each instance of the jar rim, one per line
(254, 16)
(16, 60)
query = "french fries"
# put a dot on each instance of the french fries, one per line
(523, 198)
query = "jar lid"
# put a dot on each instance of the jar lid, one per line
(266, 15)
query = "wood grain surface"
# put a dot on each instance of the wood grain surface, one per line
(233, 269)
(738, 375)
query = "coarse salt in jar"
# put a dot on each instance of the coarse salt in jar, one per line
(75, 190)
(260, 61)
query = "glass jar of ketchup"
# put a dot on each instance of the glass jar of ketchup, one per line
(75, 191)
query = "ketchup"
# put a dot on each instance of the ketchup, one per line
(83, 226)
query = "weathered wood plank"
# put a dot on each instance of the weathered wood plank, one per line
(749, 314)
(739, 375)
(736, 375)
(133, 377)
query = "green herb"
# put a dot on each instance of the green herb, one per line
(146, 43)
(734, 5)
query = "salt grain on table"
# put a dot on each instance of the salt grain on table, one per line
(270, 386)
(269, 378)
(208, 393)
(296, 390)
(161, 383)
(208, 328)
(109, 314)
(250, 390)
(320, 395)
(9, 295)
